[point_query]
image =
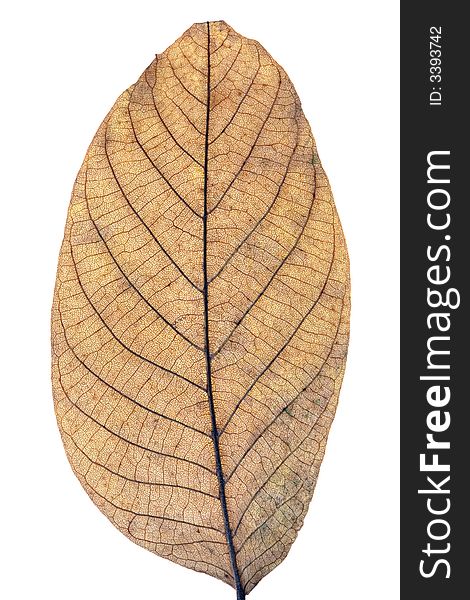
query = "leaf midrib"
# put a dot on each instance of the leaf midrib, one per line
(215, 433)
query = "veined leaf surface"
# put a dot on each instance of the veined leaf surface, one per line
(201, 311)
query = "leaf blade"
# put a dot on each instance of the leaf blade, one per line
(201, 311)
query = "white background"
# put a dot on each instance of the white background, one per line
(63, 65)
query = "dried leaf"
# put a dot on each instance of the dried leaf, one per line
(200, 317)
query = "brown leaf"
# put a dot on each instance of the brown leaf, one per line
(200, 317)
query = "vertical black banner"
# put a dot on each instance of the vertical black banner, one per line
(435, 345)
